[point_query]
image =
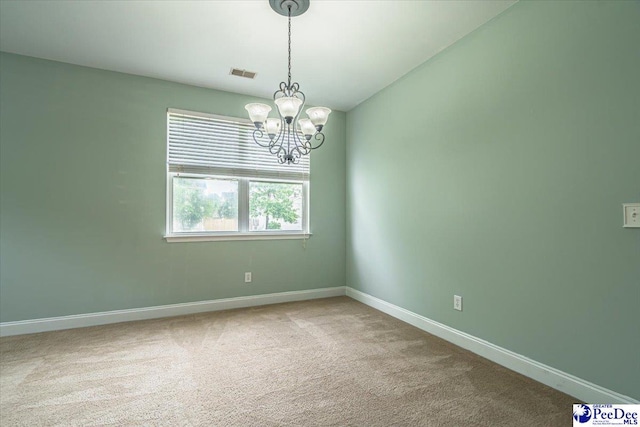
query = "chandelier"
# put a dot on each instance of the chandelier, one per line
(289, 136)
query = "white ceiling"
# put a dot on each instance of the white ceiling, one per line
(343, 51)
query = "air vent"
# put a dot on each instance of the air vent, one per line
(243, 73)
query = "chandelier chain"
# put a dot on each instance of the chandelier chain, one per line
(289, 8)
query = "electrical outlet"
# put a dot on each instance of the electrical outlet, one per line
(631, 215)
(457, 302)
(247, 277)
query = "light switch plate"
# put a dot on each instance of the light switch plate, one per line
(631, 215)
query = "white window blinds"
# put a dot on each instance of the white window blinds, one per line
(215, 145)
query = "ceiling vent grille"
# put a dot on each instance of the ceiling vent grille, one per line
(243, 73)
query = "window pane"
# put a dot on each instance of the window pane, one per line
(205, 204)
(275, 206)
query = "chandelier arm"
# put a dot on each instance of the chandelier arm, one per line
(278, 151)
(318, 136)
(291, 138)
(282, 90)
(277, 138)
(260, 134)
(288, 90)
(276, 144)
(300, 95)
(302, 146)
(300, 152)
(295, 159)
(294, 155)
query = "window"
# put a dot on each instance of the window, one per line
(221, 185)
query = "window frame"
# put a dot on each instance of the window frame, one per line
(244, 181)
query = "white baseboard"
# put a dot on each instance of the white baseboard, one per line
(569, 384)
(566, 383)
(117, 316)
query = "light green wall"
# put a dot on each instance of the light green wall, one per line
(82, 199)
(497, 171)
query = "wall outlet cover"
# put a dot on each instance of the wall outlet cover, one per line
(457, 302)
(631, 215)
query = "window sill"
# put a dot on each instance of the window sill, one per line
(181, 238)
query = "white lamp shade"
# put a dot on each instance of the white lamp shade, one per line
(307, 127)
(288, 106)
(319, 115)
(272, 126)
(258, 112)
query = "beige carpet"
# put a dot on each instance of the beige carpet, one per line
(330, 362)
